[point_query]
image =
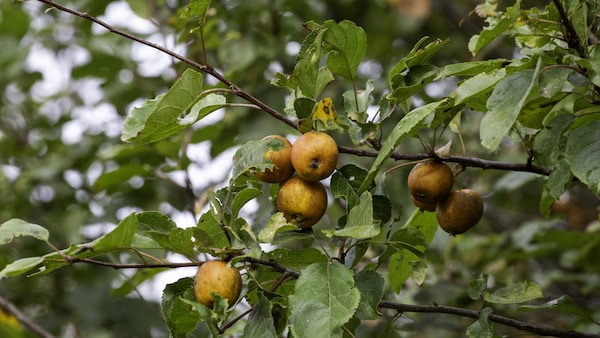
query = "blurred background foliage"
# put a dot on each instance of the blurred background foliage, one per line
(66, 85)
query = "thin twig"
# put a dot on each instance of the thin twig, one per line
(545, 331)
(200, 67)
(8, 306)
(573, 39)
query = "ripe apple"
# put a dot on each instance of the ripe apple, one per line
(302, 201)
(314, 155)
(280, 154)
(429, 182)
(459, 211)
(216, 277)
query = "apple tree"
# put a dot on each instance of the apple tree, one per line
(88, 218)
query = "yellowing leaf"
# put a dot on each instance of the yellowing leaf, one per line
(325, 115)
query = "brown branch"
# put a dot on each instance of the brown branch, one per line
(464, 160)
(545, 331)
(11, 308)
(200, 67)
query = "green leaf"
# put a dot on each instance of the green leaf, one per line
(496, 27)
(477, 287)
(360, 224)
(400, 268)
(370, 284)
(482, 328)
(324, 299)
(564, 304)
(260, 323)
(409, 124)
(504, 105)
(171, 112)
(121, 175)
(558, 180)
(356, 102)
(241, 198)
(120, 237)
(516, 293)
(426, 223)
(20, 266)
(346, 181)
(177, 313)
(583, 145)
(348, 45)
(310, 78)
(548, 142)
(476, 85)
(471, 68)
(275, 225)
(209, 233)
(17, 228)
(251, 156)
(417, 56)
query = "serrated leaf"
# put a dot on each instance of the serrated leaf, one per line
(348, 45)
(558, 180)
(405, 128)
(357, 102)
(496, 27)
(370, 284)
(241, 198)
(20, 266)
(504, 105)
(275, 225)
(426, 223)
(476, 85)
(400, 268)
(346, 181)
(209, 233)
(548, 142)
(360, 224)
(583, 144)
(324, 299)
(483, 327)
(418, 55)
(120, 237)
(18, 228)
(177, 313)
(260, 323)
(171, 112)
(251, 156)
(471, 68)
(516, 293)
(477, 287)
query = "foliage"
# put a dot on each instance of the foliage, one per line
(367, 267)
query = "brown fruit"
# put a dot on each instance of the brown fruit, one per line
(302, 201)
(423, 206)
(314, 155)
(280, 154)
(429, 182)
(459, 211)
(216, 277)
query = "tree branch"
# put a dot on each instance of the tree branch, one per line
(8, 306)
(466, 161)
(573, 39)
(200, 67)
(545, 331)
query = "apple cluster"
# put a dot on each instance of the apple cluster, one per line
(299, 168)
(430, 185)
